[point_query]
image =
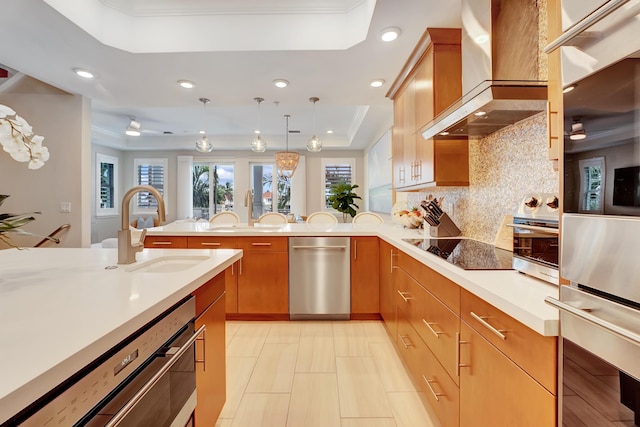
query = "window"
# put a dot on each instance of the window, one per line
(212, 189)
(592, 174)
(263, 182)
(151, 172)
(106, 185)
(336, 170)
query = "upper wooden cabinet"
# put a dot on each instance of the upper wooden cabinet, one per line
(554, 85)
(430, 81)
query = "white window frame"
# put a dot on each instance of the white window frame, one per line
(100, 211)
(153, 162)
(326, 161)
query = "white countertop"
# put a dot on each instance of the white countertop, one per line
(60, 309)
(519, 296)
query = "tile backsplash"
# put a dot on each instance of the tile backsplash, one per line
(503, 167)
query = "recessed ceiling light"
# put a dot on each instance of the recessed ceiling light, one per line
(377, 82)
(187, 84)
(329, 131)
(479, 113)
(257, 132)
(482, 38)
(389, 34)
(280, 83)
(84, 73)
(201, 132)
(568, 88)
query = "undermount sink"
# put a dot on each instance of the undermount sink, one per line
(167, 264)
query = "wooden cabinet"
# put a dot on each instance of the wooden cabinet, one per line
(386, 268)
(430, 82)
(210, 351)
(231, 273)
(554, 86)
(165, 242)
(263, 276)
(365, 280)
(494, 391)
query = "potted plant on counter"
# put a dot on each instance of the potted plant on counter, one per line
(342, 199)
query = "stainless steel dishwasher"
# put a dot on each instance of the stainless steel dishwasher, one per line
(319, 278)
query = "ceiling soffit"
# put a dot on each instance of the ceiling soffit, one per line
(153, 26)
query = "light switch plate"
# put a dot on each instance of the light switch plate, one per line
(65, 207)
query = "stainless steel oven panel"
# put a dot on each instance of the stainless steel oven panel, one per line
(607, 329)
(603, 37)
(601, 252)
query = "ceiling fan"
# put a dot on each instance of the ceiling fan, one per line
(135, 129)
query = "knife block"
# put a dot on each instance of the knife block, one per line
(447, 228)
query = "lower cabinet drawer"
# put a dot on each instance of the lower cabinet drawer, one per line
(165, 242)
(440, 391)
(211, 242)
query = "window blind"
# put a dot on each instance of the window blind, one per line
(152, 175)
(333, 175)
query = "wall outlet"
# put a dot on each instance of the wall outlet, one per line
(65, 207)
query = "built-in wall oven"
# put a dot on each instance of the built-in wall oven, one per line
(600, 226)
(147, 380)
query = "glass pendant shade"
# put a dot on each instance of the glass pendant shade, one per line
(314, 144)
(203, 145)
(287, 161)
(258, 145)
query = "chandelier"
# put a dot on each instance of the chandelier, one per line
(287, 161)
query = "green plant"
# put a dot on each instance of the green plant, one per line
(342, 198)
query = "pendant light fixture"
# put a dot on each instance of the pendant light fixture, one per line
(287, 161)
(258, 145)
(202, 144)
(314, 144)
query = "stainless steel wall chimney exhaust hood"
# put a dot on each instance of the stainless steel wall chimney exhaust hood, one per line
(500, 76)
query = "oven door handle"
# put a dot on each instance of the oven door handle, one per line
(616, 330)
(122, 413)
(535, 228)
(592, 19)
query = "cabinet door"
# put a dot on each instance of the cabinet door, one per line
(231, 287)
(365, 280)
(494, 391)
(397, 141)
(409, 126)
(263, 283)
(555, 111)
(211, 367)
(211, 242)
(387, 305)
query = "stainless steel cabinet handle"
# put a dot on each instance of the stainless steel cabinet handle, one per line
(535, 228)
(428, 325)
(204, 350)
(583, 25)
(482, 320)
(232, 269)
(401, 174)
(162, 243)
(620, 332)
(405, 298)
(419, 169)
(210, 244)
(404, 343)
(156, 377)
(436, 395)
(458, 364)
(355, 249)
(318, 247)
(260, 244)
(240, 266)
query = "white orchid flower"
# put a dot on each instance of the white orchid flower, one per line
(17, 139)
(6, 111)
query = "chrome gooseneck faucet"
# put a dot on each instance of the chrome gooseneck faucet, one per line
(248, 202)
(126, 250)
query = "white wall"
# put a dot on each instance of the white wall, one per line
(64, 122)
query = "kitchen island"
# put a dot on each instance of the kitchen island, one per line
(60, 309)
(519, 296)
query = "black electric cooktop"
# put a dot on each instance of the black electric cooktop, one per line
(466, 253)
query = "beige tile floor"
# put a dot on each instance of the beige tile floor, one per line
(317, 373)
